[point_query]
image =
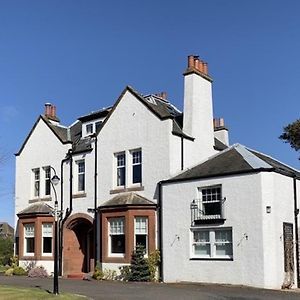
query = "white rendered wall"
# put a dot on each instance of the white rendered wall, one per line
(47, 264)
(132, 126)
(278, 192)
(198, 119)
(243, 213)
(42, 149)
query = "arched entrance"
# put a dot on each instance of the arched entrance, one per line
(78, 245)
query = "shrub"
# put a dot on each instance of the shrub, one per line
(6, 250)
(153, 263)
(9, 272)
(39, 272)
(106, 274)
(124, 273)
(98, 274)
(14, 261)
(139, 268)
(19, 271)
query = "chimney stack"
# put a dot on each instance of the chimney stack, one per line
(50, 112)
(162, 95)
(196, 64)
(220, 131)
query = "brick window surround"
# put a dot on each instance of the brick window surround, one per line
(129, 214)
(38, 236)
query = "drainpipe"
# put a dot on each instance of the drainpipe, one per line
(69, 209)
(296, 212)
(95, 201)
(160, 229)
(182, 154)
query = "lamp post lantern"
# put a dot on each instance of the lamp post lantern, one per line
(56, 213)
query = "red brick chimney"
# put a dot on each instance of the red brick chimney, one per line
(50, 112)
(162, 95)
(196, 64)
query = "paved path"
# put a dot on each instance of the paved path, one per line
(110, 290)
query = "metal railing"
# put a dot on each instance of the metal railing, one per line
(207, 211)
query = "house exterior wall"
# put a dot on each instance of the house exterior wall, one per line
(131, 126)
(42, 149)
(278, 192)
(258, 252)
(242, 212)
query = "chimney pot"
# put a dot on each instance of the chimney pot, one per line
(205, 68)
(191, 61)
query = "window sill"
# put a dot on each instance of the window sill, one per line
(129, 189)
(213, 258)
(47, 198)
(79, 195)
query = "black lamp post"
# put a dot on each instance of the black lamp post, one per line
(54, 181)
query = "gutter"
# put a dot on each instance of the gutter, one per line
(296, 213)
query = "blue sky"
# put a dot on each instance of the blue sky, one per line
(79, 55)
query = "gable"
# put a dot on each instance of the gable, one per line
(58, 132)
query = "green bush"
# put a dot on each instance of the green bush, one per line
(9, 272)
(153, 263)
(124, 273)
(19, 271)
(139, 268)
(6, 250)
(98, 274)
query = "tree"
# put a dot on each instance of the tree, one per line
(6, 250)
(139, 268)
(291, 135)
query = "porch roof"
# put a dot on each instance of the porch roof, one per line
(127, 199)
(39, 208)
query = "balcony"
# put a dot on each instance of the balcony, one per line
(207, 212)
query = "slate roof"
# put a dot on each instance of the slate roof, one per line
(236, 159)
(162, 108)
(127, 199)
(39, 208)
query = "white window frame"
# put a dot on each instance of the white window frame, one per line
(136, 162)
(36, 180)
(91, 126)
(47, 234)
(210, 201)
(211, 242)
(80, 173)
(120, 231)
(119, 167)
(29, 232)
(137, 232)
(47, 169)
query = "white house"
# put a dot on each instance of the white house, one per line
(142, 172)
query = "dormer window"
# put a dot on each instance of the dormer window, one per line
(89, 129)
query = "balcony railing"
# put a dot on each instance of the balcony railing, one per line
(207, 212)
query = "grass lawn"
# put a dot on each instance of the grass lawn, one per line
(15, 293)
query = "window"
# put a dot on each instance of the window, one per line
(211, 201)
(98, 125)
(89, 128)
(141, 232)
(29, 239)
(137, 166)
(36, 184)
(47, 238)
(212, 243)
(81, 175)
(47, 181)
(121, 169)
(116, 236)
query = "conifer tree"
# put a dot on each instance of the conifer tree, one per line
(139, 268)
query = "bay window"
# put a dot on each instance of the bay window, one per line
(117, 236)
(29, 239)
(47, 234)
(141, 232)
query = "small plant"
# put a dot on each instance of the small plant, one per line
(38, 272)
(124, 273)
(153, 263)
(14, 261)
(29, 264)
(19, 271)
(109, 274)
(9, 272)
(98, 274)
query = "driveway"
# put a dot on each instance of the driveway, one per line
(109, 290)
